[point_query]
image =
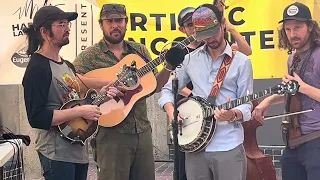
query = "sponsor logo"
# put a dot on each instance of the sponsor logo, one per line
(292, 10)
(19, 58)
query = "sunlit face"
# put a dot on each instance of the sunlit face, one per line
(215, 42)
(60, 32)
(187, 28)
(298, 33)
(114, 30)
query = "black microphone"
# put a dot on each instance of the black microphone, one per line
(175, 56)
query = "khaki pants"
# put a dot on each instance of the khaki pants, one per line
(227, 165)
(124, 156)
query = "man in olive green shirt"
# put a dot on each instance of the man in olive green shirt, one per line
(124, 151)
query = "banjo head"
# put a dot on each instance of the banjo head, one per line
(192, 112)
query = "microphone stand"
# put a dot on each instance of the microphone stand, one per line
(175, 128)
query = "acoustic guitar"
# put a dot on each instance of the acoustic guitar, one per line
(140, 83)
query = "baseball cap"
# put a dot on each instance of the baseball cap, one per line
(206, 19)
(111, 11)
(51, 13)
(296, 11)
(185, 14)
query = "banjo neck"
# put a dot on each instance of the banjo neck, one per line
(240, 101)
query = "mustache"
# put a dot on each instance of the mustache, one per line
(66, 34)
(295, 39)
(115, 31)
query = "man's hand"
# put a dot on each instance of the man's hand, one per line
(295, 77)
(89, 112)
(260, 111)
(223, 115)
(111, 91)
(229, 26)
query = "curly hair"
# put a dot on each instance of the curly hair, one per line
(284, 42)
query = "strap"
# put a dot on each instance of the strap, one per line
(137, 51)
(304, 138)
(295, 64)
(222, 74)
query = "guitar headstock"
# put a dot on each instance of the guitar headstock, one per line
(291, 87)
(128, 75)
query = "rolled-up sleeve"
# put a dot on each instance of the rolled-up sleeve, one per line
(167, 93)
(245, 87)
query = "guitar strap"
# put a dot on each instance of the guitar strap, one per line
(220, 77)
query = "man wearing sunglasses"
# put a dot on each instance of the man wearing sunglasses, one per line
(124, 151)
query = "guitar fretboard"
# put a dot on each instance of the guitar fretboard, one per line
(240, 101)
(153, 64)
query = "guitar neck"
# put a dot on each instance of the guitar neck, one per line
(154, 63)
(244, 99)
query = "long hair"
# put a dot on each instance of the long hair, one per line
(284, 42)
(35, 40)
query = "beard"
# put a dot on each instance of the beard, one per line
(298, 43)
(215, 44)
(115, 37)
(61, 42)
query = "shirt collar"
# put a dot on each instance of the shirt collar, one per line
(227, 50)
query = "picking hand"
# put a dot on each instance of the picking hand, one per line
(90, 112)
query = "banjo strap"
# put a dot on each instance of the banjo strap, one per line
(220, 77)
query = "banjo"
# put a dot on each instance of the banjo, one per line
(198, 126)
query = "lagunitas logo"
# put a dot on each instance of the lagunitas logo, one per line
(20, 58)
(17, 29)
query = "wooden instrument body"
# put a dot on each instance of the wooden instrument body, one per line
(259, 166)
(113, 111)
(291, 125)
(78, 130)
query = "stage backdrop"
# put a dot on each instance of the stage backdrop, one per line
(153, 23)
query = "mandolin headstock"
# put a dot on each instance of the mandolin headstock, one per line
(291, 87)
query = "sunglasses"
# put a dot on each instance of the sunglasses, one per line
(112, 7)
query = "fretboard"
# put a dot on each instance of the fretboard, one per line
(156, 62)
(240, 101)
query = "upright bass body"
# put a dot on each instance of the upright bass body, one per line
(259, 166)
(291, 125)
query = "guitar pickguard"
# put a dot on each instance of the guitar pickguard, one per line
(128, 94)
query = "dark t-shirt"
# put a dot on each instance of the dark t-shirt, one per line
(189, 85)
(47, 86)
